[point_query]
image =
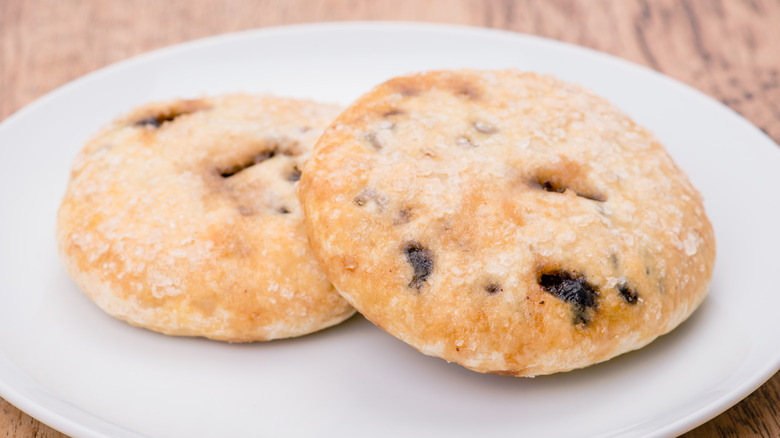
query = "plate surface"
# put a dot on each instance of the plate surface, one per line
(71, 366)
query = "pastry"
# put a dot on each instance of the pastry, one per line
(506, 221)
(181, 217)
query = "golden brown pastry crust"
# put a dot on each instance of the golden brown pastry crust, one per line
(506, 221)
(181, 217)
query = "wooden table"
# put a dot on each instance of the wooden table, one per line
(729, 49)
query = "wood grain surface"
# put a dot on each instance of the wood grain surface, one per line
(729, 49)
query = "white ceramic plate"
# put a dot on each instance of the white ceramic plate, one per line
(65, 362)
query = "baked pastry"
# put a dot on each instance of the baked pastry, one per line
(506, 221)
(181, 217)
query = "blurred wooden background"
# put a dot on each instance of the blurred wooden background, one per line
(729, 49)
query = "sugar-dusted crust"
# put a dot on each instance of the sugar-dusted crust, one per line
(181, 217)
(506, 221)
